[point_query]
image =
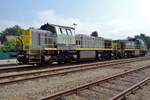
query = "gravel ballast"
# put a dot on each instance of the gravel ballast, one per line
(37, 88)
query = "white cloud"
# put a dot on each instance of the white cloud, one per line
(51, 17)
(144, 9)
(116, 28)
(121, 28)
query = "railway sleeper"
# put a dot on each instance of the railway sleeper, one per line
(103, 91)
(130, 80)
(119, 83)
(133, 90)
(126, 80)
(138, 78)
(143, 73)
(112, 88)
(75, 97)
(62, 98)
(89, 95)
(132, 95)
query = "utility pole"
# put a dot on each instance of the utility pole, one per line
(74, 24)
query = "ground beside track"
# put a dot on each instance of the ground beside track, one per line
(30, 90)
(8, 61)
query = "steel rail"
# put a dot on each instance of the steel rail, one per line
(107, 63)
(9, 66)
(122, 95)
(75, 90)
(15, 66)
(28, 68)
(80, 68)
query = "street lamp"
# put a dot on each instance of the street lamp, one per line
(74, 24)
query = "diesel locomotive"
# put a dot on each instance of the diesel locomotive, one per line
(57, 43)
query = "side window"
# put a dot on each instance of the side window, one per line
(69, 31)
(76, 42)
(72, 31)
(39, 42)
(61, 30)
(46, 39)
(79, 42)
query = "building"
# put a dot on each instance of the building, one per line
(11, 38)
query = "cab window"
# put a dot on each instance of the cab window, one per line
(61, 30)
(72, 31)
(68, 31)
(64, 31)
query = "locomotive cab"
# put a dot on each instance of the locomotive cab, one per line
(42, 45)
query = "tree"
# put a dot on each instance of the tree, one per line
(95, 34)
(145, 38)
(15, 30)
(0, 36)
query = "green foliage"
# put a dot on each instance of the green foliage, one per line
(95, 34)
(15, 30)
(145, 38)
(8, 46)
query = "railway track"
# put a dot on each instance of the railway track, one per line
(13, 64)
(6, 68)
(15, 67)
(116, 87)
(11, 78)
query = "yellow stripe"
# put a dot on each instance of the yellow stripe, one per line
(131, 49)
(90, 49)
(93, 49)
(50, 48)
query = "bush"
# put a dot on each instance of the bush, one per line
(8, 46)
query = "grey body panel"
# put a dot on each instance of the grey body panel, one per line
(42, 39)
(87, 54)
(130, 44)
(89, 42)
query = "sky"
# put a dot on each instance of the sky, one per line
(116, 19)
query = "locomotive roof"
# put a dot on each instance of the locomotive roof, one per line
(62, 26)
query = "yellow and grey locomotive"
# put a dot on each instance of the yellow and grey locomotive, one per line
(55, 43)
